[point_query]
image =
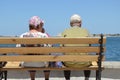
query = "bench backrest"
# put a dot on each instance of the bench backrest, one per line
(96, 49)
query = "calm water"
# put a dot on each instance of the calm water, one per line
(112, 48)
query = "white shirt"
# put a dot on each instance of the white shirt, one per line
(32, 34)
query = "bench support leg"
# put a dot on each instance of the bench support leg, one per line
(98, 75)
(98, 72)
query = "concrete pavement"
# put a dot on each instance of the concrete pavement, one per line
(111, 72)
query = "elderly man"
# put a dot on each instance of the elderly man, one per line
(76, 31)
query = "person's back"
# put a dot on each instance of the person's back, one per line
(76, 32)
(33, 35)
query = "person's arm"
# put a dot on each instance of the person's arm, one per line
(21, 45)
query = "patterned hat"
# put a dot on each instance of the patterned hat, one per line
(35, 20)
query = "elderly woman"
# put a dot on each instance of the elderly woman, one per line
(35, 28)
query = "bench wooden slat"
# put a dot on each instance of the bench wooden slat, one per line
(38, 50)
(16, 66)
(34, 58)
(12, 65)
(20, 68)
(83, 40)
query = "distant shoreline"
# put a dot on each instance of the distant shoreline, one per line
(94, 35)
(107, 35)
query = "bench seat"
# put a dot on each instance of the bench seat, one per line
(12, 65)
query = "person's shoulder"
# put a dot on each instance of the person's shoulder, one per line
(23, 34)
(85, 29)
(46, 35)
(63, 33)
(71, 29)
(42, 34)
(75, 31)
(67, 29)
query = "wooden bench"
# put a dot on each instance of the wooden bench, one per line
(95, 51)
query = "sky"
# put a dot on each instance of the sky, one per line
(98, 16)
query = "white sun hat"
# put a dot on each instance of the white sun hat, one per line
(75, 18)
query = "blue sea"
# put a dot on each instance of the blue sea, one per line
(112, 48)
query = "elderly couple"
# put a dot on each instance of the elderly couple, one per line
(36, 30)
